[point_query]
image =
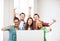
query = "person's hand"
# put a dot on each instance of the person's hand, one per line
(30, 8)
(54, 20)
(14, 8)
(3, 29)
(50, 29)
(9, 27)
(6, 28)
(14, 12)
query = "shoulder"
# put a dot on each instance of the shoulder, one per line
(12, 25)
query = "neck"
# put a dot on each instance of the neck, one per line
(29, 26)
(16, 27)
(39, 27)
(21, 20)
(36, 20)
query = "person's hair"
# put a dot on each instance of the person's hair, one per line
(16, 18)
(38, 27)
(27, 23)
(36, 14)
(22, 13)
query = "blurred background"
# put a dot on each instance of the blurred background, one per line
(47, 9)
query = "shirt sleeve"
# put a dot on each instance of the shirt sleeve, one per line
(8, 27)
(45, 24)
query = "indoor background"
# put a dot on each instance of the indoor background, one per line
(47, 9)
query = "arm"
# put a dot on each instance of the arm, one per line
(48, 24)
(52, 22)
(44, 24)
(49, 30)
(6, 28)
(14, 12)
(29, 12)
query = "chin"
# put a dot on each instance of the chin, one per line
(16, 26)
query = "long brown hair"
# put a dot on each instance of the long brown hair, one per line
(28, 24)
(38, 28)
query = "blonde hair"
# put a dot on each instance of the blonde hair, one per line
(37, 27)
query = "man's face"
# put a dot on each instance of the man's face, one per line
(22, 16)
(16, 23)
(36, 17)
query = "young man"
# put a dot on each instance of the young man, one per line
(44, 24)
(22, 22)
(36, 18)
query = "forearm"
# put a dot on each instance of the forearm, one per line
(45, 24)
(51, 23)
(14, 12)
(49, 30)
(29, 12)
(6, 28)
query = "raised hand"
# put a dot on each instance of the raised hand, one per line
(14, 12)
(30, 8)
(14, 8)
(6, 28)
(29, 12)
(54, 20)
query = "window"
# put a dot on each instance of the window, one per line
(22, 6)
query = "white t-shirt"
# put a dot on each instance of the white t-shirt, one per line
(21, 25)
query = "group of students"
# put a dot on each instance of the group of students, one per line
(20, 24)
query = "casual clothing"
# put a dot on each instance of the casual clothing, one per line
(34, 24)
(43, 23)
(22, 25)
(30, 28)
(44, 29)
(12, 34)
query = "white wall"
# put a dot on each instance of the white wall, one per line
(1, 19)
(22, 6)
(8, 12)
(48, 10)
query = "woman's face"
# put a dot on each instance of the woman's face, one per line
(39, 24)
(29, 22)
(16, 23)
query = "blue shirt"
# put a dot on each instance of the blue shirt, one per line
(12, 34)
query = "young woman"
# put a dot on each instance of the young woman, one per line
(12, 29)
(40, 27)
(29, 24)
